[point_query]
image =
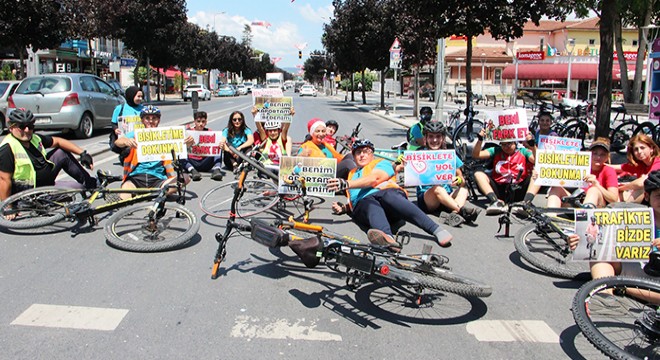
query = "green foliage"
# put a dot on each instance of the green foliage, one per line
(6, 74)
(367, 83)
(316, 65)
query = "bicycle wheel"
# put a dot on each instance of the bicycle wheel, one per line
(578, 130)
(621, 135)
(440, 278)
(541, 248)
(461, 137)
(619, 316)
(647, 128)
(128, 228)
(258, 196)
(37, 207)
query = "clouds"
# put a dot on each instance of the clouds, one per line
(320, 15)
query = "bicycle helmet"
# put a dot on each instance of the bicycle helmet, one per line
(434, 127)
(272, 125)
(21, 116)
(360, 143)
(332, 123)
(652, 182)
(150, 110)
(425, 113)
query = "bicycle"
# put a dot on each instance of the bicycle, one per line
(346, 141)
(138, 226)
(620, 316)
(543, 243)
(256, 195)
(358, 262)
(466, 132)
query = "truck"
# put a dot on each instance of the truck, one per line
(275, 80)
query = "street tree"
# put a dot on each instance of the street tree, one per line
(317, 65)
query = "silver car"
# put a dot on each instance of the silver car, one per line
(6, 89)
(78, 102)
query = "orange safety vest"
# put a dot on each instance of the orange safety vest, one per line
(316, 152)
(366, 170)
(131, 162)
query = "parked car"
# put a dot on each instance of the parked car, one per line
(309, 90)
(248, 85)
(67, 101)
(226, 90)
(242, 90)
(6, 89)
(235, 89)
(115, 84)
(202, 92)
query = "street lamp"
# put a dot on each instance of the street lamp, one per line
(570, 46)
(483, 62)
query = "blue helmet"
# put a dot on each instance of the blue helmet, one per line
(360, 143)
(150, 110)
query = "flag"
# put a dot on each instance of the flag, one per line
(551, 51)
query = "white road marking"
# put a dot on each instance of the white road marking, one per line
(512, 330)
(252, 327)
(72, 317)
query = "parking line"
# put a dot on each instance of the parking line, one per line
(281, 329)
(512, 330)
(71, 317)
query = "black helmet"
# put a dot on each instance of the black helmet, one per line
(434, 127)
(362, 143)
(652, 182)
(332, 123)
(425, 113)
(21, 116)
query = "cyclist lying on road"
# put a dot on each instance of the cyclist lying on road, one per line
(25, 164)
(433, 197)
(375, 199)
(148, 174)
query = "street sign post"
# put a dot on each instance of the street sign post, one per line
(395, 63)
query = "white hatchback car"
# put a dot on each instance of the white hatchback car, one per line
(202, 92)
(308, 90)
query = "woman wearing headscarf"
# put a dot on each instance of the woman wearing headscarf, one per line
(126, 113)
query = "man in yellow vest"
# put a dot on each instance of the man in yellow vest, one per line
(25, 164)
(375, 199)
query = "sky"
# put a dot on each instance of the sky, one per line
(292, 24)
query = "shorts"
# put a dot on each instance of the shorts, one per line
(500, 189)
(145, 181)
(422, 205)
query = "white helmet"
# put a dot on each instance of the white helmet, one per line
(272, 124)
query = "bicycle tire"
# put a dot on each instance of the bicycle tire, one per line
(125, 228)
(533, 245)
(621, 135)
(577, 130)
(613, 326)
(256, 164)
(217, 201)
(40, 206)
(445, 280)
(647, 128)
(460, 137)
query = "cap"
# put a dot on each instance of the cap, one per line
(313, 124)
(602, 142)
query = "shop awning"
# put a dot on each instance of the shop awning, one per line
(171, 72)
(558, 71)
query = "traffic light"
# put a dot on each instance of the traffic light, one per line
(299, 54)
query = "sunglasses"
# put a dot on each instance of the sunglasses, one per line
(28, 126)
(236, 119)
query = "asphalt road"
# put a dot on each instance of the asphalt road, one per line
(66, 294)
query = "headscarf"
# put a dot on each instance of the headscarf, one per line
(130, 95)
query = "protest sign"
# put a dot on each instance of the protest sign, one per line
(207, 143)
(562, 168)
(316, 172)
(155, 144)
(559, 143)
(265, 93)
(127, 124)
(614, 234)
(506, 125)
(429, 167)
(273, 108)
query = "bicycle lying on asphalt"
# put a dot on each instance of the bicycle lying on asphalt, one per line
(256, 195)
(621, 315)
(146, 222)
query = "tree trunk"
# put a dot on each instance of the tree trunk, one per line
(158, 85)
(604, 99)
(148, 94)
(623, 66)
(468, 67)
(352, 86)
(416, 91)
(382, 89)
(92, 63)
(364, 89)
(21, 62)
(644, 47)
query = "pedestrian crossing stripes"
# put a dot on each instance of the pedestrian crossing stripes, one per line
(71, 317)
(512, 330)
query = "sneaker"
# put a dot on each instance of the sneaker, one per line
(470, 214)
(217, 174)
(379, 237)
(454, 219)
(195, 175)
(496, 208)
(443, 238)
(606, 304)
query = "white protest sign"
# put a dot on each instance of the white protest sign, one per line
(562, 168)
(155, 144)
(206, 143)
(506, 125)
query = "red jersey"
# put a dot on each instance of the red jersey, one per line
(641, 168)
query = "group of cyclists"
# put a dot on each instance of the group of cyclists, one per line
(375, 200)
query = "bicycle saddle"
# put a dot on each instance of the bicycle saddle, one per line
(652, 268)
(104, 175)
(575, 199)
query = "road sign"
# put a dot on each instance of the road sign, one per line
(395, 59)
(396, 45)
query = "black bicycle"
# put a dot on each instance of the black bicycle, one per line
(466, 133)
